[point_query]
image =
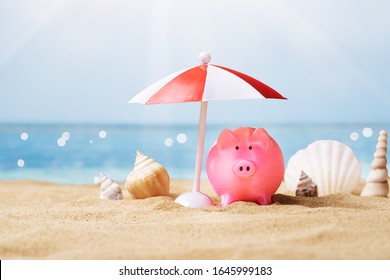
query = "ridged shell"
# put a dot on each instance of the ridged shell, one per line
(109, 189)
(331, 164)
(148, 178)
(376, 182)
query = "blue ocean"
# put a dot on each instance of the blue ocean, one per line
(75, 154)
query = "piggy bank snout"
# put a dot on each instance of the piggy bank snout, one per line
(244, 168)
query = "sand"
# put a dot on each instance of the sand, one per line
(40, 220)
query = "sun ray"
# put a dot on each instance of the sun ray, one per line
(21, 29)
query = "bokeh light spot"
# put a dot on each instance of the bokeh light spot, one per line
(168, 142)
(20, 163)
(181, 138)
(24, 136)
(65, 136)
(367, 132)
(354, 136)
(61, 142)
(102, 134)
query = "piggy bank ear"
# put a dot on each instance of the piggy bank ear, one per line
(261, 137)
(227, 138)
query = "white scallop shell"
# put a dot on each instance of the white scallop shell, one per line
(331, 164)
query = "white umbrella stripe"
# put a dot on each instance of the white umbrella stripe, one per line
(216, 89)
(144, 96)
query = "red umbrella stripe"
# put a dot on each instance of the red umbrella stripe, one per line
(186, 87)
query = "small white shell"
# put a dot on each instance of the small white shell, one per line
(331, 164)
(109, 189)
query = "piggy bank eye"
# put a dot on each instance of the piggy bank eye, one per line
(250, 148)
(237, 148)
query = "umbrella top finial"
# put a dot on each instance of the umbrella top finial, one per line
(204, 57)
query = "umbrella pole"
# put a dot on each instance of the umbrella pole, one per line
(200, 148)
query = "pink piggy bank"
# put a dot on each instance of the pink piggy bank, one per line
(245, 164)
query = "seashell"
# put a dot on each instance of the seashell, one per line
(148, 178)
(306, 186)
(331, 164)
(378, 162)
(376, 182)
(109, 189)
(377, 175)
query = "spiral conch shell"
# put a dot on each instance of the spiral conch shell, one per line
(306, 186)
(376, 182)
(148, 178)
(109, 189)
(329, 163)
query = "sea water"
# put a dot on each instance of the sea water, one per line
(75, 154)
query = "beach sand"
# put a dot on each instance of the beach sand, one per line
(40, 220)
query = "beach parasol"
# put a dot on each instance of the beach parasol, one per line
(203, 83)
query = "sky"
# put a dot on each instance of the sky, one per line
(81, 61)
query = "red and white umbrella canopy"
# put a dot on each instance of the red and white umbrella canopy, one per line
(203, 83)
(206, 82)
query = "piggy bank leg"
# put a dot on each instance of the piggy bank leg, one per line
(227, 199)
(264, 199)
